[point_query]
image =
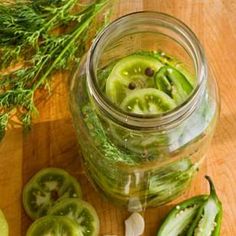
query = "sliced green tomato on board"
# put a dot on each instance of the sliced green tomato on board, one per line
(3, 225)
(47, 187)
(81, 212)
(174, 83)
(53, 226)
(148, 101)
(131, 73)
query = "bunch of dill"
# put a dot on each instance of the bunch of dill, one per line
(38, 38)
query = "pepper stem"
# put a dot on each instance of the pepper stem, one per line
(212, 187)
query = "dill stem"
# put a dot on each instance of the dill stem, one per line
(18, 93)
(49, 70)
(66, 7)
(74, 36)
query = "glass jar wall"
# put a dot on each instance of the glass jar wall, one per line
(143, 160)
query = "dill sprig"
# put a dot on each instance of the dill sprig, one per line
(97, 132)
(43, 36)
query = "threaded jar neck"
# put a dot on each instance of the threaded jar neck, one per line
(157, 24)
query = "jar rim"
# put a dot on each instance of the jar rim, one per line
(161, 121)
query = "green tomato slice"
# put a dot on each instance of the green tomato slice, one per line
(53, 226)
(80, 211)
(173, 83)
(148, 101)
(3, 225)
(131, 73)
(47, 187)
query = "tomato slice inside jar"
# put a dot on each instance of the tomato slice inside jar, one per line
(131, 73)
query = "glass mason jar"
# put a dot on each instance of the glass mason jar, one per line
(143, 160)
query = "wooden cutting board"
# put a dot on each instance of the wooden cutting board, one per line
(52, 139)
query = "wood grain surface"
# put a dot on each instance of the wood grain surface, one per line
(52, 140)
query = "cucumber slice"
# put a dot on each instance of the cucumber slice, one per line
(3, 225)
(148, 101)
(45, 188)
(174, 83)
(53, 226)
(131, 73)
(80, 211)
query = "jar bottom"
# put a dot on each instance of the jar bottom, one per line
(145, 199)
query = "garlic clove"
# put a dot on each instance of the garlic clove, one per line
(134, 225)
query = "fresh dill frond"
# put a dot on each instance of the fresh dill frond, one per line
(42, 36)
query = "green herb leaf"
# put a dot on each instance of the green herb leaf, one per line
(40, 37)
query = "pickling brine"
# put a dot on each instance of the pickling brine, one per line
(144, 112)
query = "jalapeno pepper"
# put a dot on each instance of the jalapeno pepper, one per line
(174, 83)
(208, 220)
(198, 216)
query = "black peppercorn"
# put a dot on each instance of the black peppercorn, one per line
(149, 72)
(132, 86)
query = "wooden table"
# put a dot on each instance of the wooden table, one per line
(52, 140)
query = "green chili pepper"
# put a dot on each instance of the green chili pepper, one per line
(198, 216)
(179, 219)
(174, 83)
(208, 220)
